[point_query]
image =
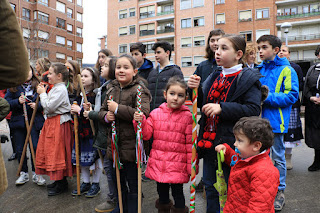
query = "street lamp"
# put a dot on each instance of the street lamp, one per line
(286, 26)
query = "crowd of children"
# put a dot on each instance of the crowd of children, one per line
(230, 100)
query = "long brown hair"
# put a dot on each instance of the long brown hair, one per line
(209, 53)
(44, 64)
(107, 53)
(73, 76)
(238, 43)
(95, 77)
(35, 80)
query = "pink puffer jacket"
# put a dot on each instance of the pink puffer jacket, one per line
(170, 157)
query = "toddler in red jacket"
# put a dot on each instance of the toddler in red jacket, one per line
(253, 181)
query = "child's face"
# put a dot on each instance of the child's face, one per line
(266, 52)
(101, 57)
(124, 71)
(38, 68)
(86, 78)
(136, 54)
(246, 148)
(284, 52)
(251, 57)
(105, 69)
(175, 96)
(54, 78)
(161, 55)
(226, 55)
(213, 42)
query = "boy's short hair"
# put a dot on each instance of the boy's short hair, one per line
(317, 51)
(256, 129)
(273, 40)
(164, 45)
(138, 46)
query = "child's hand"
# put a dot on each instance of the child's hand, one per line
(211, 109)
(32, 105)
(22, 100)
(111, 116)
(41, 88)
(112, 106)
(221, 147)
(138, 116)
(315, 100)
(86, 106)
(86, 114)
(194, 81)
(75, 109)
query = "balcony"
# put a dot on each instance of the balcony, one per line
(165, 13)
(245, 19)
(297, 15)
(146, 32)
(302, 37)
(166, 30)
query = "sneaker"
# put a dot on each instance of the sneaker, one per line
(279, 202)
(12, 157)
(84, 188)
(145, 179)
(41, 180)
(200, 186)
(34, 177)
(106, 206)
(94, 190)
(24, 177)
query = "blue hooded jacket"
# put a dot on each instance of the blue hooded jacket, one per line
(283, 84)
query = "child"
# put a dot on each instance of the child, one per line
(169, 163)
(121, 110)
(100, 142)
(283, 84)
(253, 181)
(72, 86)
(17, 123)
(225, 96)
(56, 138)
(102, 56)
(138, 52)
(158, 78)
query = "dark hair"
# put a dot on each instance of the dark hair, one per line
(107, 53)
(73, 75)
(176, 80)
(112, 67)
(256, 129)
(317, 51)
(238, 43)
(273, 40)
(164, 45)
(209, 53)
(130, 58)
(138, 46)
(35, 80)
(61, 68)
(44, 64)
(95, 77)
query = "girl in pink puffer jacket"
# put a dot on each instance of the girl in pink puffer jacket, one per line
(170, 159)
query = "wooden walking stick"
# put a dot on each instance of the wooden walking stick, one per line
(116, 160)
(28, 136)
(76, 138)
(194, 151)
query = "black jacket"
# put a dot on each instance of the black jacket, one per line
(205, 68)
(145, 69)
(157, 83)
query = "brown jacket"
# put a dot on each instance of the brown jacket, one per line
(126, 98)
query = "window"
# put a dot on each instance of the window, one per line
(197, 60)
(199, 41)
(289, 11)
(123, 31)
(41, 17)
(132, 29)
(186, 61)
(40, 53)
(185, 4)
(60, 40)
(28, 49)
(245, 15)
(41, 35)
(122, 14)
(262, 32)
(13, 6)
(60, 56)
(79, 17)
(198, 3)
(44, 2)
(220, 18)
(79, 32)
(69, 45)
(185, 23)
(198, 21)
(79, 60)
(305, 9)
(262, 13)
(69, 13)
(61, 23)
(219, 1)
(132, 12)
(146, 29)
(61, 7)
(186, 42)
(122, 48)
(146, 12)
(314, 8)
(79, 3)
(69, 28)
(26, 14)
(149, 46)
(79, 47)
(70, 1)
(247, 35)
(69, 58)
(26, 33)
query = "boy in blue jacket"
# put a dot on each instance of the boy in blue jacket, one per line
(283, 85)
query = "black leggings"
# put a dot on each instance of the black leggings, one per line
(177, 194)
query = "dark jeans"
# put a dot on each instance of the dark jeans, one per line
(19, 135)
(110, 172)
(177, 194)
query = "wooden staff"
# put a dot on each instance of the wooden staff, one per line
(28, 137)
(119, 187)
(194, 150)
(76, 137)
(91, 121)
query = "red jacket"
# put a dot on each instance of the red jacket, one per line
(170, 157)
(253, 184)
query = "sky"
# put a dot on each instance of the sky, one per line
(95, 20)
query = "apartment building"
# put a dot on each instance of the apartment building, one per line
(184, 23)
(51, 28)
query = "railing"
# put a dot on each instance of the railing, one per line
(169, 30)
(297, 15)
(165, 13)
(302, 37)
(245, 19)
(147, 32)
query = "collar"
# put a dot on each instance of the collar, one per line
(232, 70)
(258, 156)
